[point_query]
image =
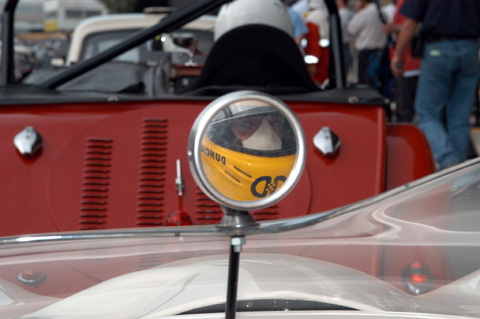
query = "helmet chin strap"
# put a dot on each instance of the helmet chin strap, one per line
(264, 139)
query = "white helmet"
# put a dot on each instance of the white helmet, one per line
(242, 12)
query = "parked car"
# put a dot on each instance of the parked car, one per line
(23, 61)
(407, 253)
(99, 33)
(51, 52)
(168, 52)
(101, 145)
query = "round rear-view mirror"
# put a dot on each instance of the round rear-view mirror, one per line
(246, 150)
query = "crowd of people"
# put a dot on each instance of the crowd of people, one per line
(422, 55)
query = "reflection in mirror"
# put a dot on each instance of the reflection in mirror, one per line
(249, 150)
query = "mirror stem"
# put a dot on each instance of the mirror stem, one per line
(236, 219)
(236, 244)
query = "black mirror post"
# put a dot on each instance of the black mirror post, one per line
(236, 243)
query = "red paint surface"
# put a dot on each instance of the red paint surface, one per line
(51, 192)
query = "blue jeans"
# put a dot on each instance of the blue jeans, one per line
(447, 85)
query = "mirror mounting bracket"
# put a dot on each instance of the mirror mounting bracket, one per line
(236, 219)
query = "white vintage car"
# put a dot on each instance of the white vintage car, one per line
(177, 56)
(96, 34)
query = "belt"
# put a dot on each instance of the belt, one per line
(443, 39)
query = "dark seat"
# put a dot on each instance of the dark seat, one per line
(254, 57)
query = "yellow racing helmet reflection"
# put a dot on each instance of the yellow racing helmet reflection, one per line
(248, 151)
(241, 176)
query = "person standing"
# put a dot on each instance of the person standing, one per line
(345, 14)
(319, 15)
(300, 29)
(318, 40)
(301, 7)
(366, 28)
(405, 85)
(448, 72)
(390, 9)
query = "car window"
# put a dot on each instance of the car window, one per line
(99, 42)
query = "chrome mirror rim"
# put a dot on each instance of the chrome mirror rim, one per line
(199, 130)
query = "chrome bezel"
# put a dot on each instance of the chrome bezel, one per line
(199, 129)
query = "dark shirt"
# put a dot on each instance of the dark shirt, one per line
(445, 18)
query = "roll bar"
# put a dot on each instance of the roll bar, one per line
(7, 60)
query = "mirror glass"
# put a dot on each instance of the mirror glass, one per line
(248, 150)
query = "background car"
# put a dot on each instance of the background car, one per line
(168, 51)
(51, 53)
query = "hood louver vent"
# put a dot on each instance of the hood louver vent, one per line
(150, 211)
(208, 211)
(95, 185)
(268, 213)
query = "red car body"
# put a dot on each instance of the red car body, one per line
(113, 165)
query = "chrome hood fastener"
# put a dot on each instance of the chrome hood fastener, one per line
(327, 142)
(28, 141)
